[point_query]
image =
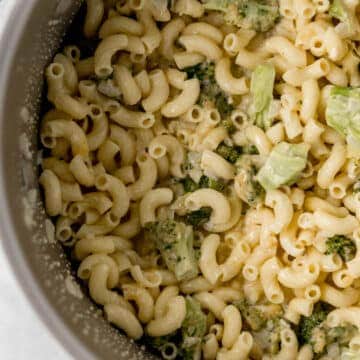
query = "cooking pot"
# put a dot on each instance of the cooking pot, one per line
(32, 34)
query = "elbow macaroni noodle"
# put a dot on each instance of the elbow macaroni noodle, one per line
(134, 138)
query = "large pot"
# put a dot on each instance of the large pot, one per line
(32, 34)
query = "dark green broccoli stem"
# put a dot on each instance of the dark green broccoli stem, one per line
(307, 324)
(342, 245)
(205, 182)
(199, 217)
(210, 90)
(229, 153)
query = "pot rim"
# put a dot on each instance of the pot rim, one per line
(18, 16)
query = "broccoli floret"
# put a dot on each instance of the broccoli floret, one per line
(259, 15)
(323, 336)
(274, 337)
(340, 334)
(189, 184)
(193, 329)
(233, 153)
(174, 240)
(247, 186)
(198, 217)
(207, 182)
(313, 330)
(210, 90)
(229, 153)
(228, 125)
(203, 72)
(308, 324)
(221, 101)
(342, 245)
(253, 316)
(268, 338)
(189, 338)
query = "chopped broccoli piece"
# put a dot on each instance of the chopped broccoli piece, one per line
(198, 217)
(283, 166)
(259, 15)
(343, 114)
(203, 72)
(308, 324)
(211, 183)
(210, 90)
(275, 339)
(233, 153)
(193, 329)
(189, 338)
(221, 101)
(189, 184)
(205, 182)
(254, 317)
(342, 245)
(174, 240)
(229, 153)
(313, 330)
(261, 89)
(247, 186)
(323, 337)
(228, 125)
(340, 334)
(269, 336)
(349, 25)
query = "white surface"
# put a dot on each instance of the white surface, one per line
(22, 335)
